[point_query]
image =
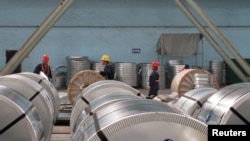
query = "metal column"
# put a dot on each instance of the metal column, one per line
(211, 40)
(229, 46)
(33, 40)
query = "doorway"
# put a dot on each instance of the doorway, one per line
(9, 55)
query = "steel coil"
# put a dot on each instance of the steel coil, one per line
(97, 89)
(139, 120)
(20, 120)
(192, 101)
(229, 105)
(99, 103)
(37, 95)
(59, 77)
(80, 81)
(127, 73)
(76, 64)
(184, 81)
(49, 87)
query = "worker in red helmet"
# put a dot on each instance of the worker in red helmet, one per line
(154, 80)
(44, 67)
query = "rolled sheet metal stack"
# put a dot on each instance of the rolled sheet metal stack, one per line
(40, 95)
(98, 89)
(114, 115)
(49, 87)
(229, 105)
(97, 65)
(127, 73)
(201, 80)
(76, 64)
(19, 118)
(216, 68)
(80, 81)
(172, 68)
(59, 77)
(192, 101)
(184, 81)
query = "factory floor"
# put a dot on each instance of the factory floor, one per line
(61, 131)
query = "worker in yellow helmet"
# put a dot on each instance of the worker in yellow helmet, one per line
(108, 71)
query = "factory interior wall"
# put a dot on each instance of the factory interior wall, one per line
(115, 27)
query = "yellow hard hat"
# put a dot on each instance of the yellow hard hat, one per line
(105, 58)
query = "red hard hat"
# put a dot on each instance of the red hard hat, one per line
(155, 64)
(45, 58)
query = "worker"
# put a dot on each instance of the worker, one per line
(108, 71)
(186, 66)
(44, 67)
(154, 80)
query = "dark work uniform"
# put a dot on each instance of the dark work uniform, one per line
(154, 86)
(45, 68)
(108, 72)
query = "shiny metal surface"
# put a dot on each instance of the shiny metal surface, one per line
(13, 106)
(127, 73)
(48, 86)
(184, 81)
(210, 39)
(59, 77)
(76, 64)
(80, 81)
(201, 80)
(172, 70)
(243, 63)
(34, 93)
(97, 89)
(97, 66)
(99, 103)
(192, 101)
(216, 68)
(140, 120)
(229, 105)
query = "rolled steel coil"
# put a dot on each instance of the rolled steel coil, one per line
(59, 77)
(76, 64)
(48, 86)
(229, 105)
(37, 95)
(97, 89)
(192, 101)
(184, 81)
(80, 81)
(139, 120)
(98, 66)
(20, 120)
(216, 68)
(99, 103)
(127, 73)
(172, 69)
(201, 80)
